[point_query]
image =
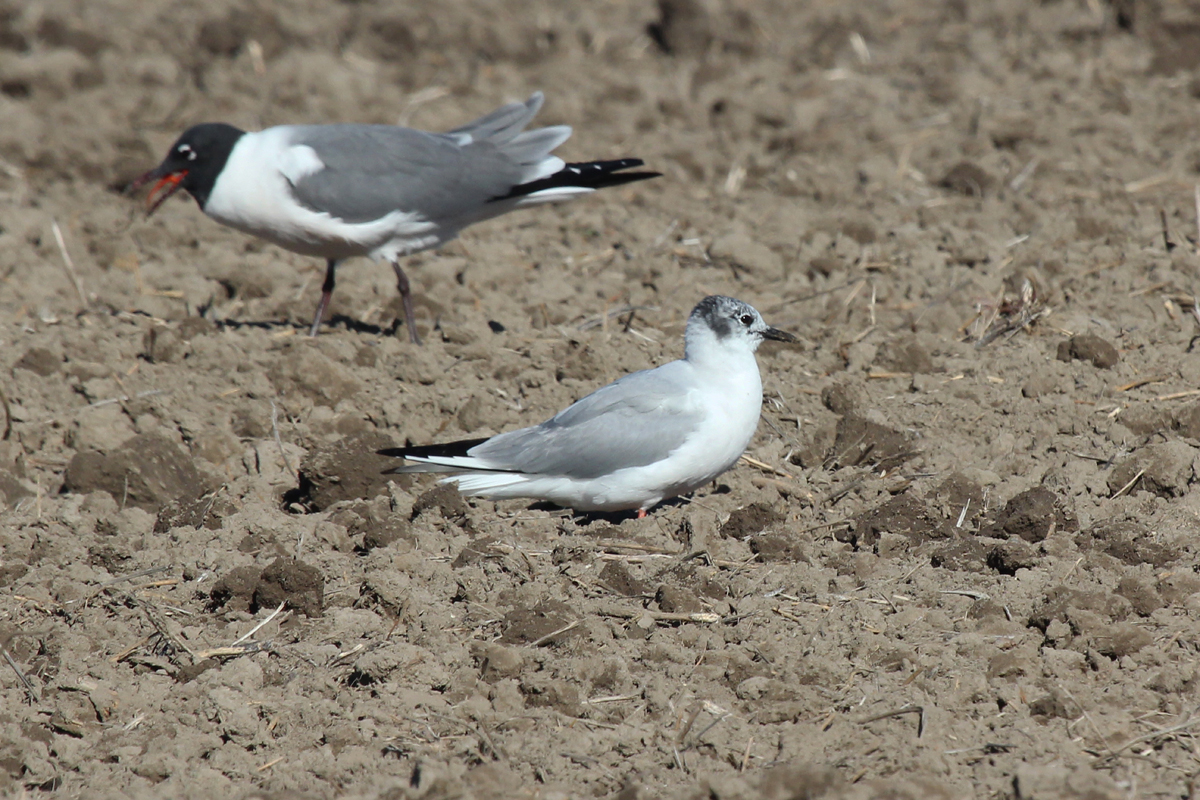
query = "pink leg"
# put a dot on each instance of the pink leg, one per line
(326, 295)
(641, 513)
(406, 299)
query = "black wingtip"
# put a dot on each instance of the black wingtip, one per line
(587, 175)
(445, 450)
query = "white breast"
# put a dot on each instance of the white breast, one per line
(733, 399)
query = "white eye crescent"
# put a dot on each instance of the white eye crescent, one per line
(186, 150)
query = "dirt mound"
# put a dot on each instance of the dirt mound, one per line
(147, 471)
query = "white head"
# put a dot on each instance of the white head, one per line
(720, 323)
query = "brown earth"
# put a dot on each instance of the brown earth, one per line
(970, 570)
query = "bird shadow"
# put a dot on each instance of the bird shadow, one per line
(358, 326)
(337, 320)
(583, 519)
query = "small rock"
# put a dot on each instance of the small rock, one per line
(860, 230)
(205, 511)
(750, 519)
(1141, 594)
(1120, 640)
(677, 600)
(497, 660)
(12, 489)
(39, 361)
(824, 266)
(967, 178)
(1056, 704)
(1187, 422)
(1008, 557)
(1146, 419)
(1165, 469)
(526, 625)
(844, 398)
(444, 497)
(903, 515)
(1128, 541)
(1089, 347)
(1029, 516)
(163, 346)
(616, 576)
(376, 523)
(860, 442)
(477, 551)
(300, 585)
(1038, 385)
(961, 555)
(684, 27)
(146, 471)
(235, 589)
(769, 546)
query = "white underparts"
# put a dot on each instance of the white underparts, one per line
(253, 194)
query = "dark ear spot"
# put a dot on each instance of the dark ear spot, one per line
(720, 326)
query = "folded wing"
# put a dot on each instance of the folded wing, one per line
(371, 171)
(633, 422)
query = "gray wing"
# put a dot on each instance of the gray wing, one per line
(637, 420)
(372, 170)
(502, 125)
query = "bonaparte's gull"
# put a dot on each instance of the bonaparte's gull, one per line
(646, 437)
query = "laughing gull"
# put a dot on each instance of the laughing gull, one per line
(382, 191)
(646, 437)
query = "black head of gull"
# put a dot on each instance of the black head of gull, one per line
(193, 164)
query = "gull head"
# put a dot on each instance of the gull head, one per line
(193, 164)
(720, 323)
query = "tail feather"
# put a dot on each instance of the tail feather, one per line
(483, 484)
(532, 151)
(583, 176)
(504, 124)
(531, 147)
(447, 457)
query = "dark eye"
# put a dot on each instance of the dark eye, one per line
(747, 320)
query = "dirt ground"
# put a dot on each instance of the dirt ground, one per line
(963, 563)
